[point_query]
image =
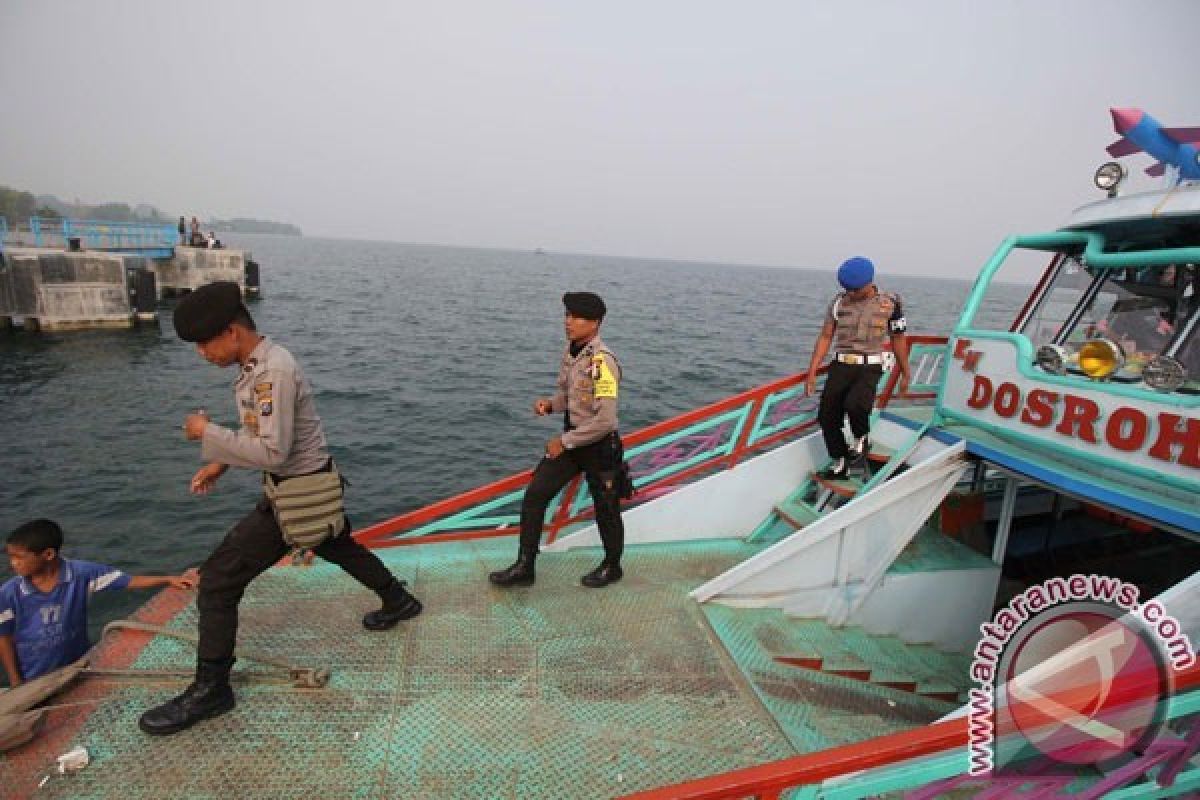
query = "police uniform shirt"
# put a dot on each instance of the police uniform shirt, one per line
(280, 430)
(587, 390)
(49, 629)
(863, 326)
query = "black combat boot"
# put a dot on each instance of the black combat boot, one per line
(859, 452)
(839, 470)
(602, 576)
(209, 696)
(398, 605)
(519, 574)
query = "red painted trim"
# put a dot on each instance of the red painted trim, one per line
(441, 508)
(739, 447)
(380, 532)
(1037, 290)
(806, 662)
(23, 767)
(837, 487)
(903, 686)
(564, 508)
(437, 538)
(768, 780)
(786, 517)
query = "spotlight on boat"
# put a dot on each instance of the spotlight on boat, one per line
(1100, 358)
(1052, 358)
(1109, 176)
(1164, 374)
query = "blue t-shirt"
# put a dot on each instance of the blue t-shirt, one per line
(50, 628)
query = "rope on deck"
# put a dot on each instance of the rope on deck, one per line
(301, 677)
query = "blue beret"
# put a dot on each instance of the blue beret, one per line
(855, 273)
(205, 312)
(585, 305)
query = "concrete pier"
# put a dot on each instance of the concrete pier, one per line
(55, 290)
(192, 267)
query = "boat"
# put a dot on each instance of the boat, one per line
(776, 634)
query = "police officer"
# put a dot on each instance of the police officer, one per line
(861, 318)
(281, 435)
(588, 381)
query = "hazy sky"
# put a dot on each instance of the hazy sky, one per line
(784, 133)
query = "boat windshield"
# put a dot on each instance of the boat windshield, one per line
(1149, 312)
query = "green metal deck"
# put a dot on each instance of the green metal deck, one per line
(550, 691)
(553, 691)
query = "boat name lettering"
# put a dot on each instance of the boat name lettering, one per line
(1175, 438)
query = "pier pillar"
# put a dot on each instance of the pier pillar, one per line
(193, 267)
(56, 290)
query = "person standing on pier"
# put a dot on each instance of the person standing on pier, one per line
(588, 378)
(302, 506)
(182, 231)
(861, 318)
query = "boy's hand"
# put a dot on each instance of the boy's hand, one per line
(206, 478)
(190, 579)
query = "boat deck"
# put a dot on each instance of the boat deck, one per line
(552, 691)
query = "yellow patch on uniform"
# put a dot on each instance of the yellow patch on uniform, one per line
(250, 422)
(605, 384)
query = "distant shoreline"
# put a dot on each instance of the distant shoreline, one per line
(246, 225)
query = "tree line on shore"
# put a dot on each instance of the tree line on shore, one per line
(18, 206)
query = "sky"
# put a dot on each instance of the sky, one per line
(798, 133)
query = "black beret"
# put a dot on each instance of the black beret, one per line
(585, 305)
(205, 312)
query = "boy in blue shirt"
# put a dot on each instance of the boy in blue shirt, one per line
(43, 610)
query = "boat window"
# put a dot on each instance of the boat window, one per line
(1066, 292)
(1009, 289)
(1142, 324)
(1146, 311)
(1187, 350)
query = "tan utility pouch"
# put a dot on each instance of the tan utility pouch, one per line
(308, 508)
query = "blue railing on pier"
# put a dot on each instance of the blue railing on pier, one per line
(153, 240)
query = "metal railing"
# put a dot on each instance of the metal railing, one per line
(662, 457)
(117, 237)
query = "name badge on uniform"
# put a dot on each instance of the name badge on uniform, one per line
(262, 394)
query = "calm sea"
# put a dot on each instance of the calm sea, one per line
(425, 361)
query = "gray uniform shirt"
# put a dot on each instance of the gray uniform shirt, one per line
(863, 326)
(280, 430)
(587, 390)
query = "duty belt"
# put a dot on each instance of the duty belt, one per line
(859, 358)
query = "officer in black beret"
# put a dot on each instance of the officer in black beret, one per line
(589, 377)
(281, 435)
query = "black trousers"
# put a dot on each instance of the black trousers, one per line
(599, 462)
(849, 392)
(254, 544)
